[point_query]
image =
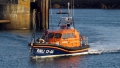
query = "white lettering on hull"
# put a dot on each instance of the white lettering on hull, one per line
(45, 51)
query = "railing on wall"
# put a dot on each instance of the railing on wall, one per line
(4, 21)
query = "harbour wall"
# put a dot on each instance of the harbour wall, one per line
(17, 11)
(19, 14)
(24, 14)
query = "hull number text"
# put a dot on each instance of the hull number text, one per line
(45, 51)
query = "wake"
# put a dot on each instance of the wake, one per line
(102, 49)
(98, 52)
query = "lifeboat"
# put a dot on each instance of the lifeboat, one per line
(66, 40)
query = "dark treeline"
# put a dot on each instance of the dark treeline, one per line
(104, 4)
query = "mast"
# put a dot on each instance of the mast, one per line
(51, 14)
(73, 13)
(69, 20)
(68, 9)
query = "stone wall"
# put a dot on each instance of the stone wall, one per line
(18, 11)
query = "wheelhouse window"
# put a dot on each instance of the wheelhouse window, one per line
(50, 35)
(64, 36)
(69, 35)
(58, 35)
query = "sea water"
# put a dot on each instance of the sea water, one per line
(101, 26)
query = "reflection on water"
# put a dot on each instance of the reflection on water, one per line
(59, 62)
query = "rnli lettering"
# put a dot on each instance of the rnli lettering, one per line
(45, 51)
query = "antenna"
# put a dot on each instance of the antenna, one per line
(73, 13)
(68, 8)
(73, 8)
(51, 13)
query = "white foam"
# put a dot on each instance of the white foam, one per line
(94, 51)
(101, 47)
